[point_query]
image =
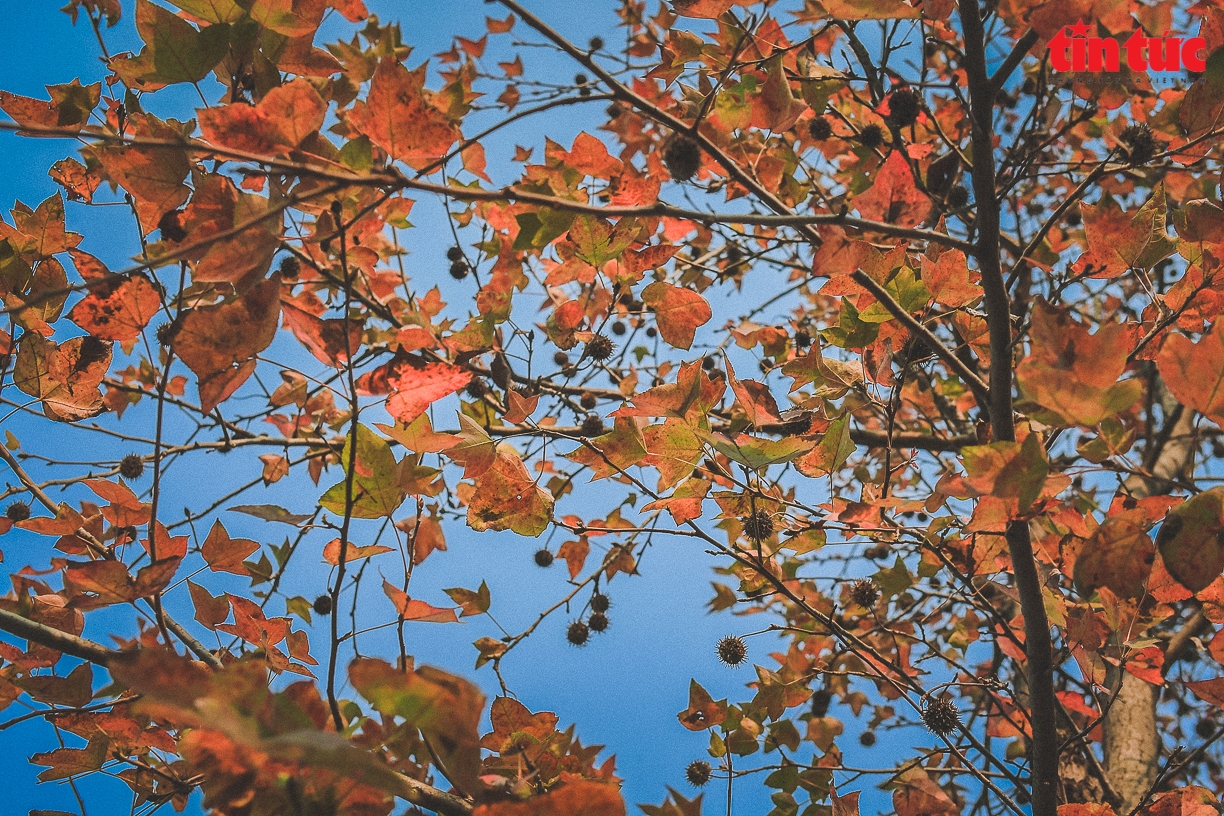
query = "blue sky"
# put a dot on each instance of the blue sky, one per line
(626, 687)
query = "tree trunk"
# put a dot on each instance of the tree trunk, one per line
(1131, 742)
(1132, 745)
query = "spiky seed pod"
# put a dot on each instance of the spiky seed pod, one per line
(17, 511)
(820, 128)
(580, 79)
(651, 332)
(709, 363)
(592, 425)
(803, 339)
(596, 43)
(164, 333)
(561, 358)
(459, 270)
(867, 739)
(1139, 143)
(454, 254)
(599, 347)
(682, 158)
(941, 717)
(476, 388)
(732, 650)
(1204, 728)
(171, 229)
(619, 328)
(131, 467)
(865, 593)
(290, 267)
(322, 605)
(127, 534)
(598, 622)
(543, 558)
(758, 525)
(588, 400)
(578, 633)
(821, 698)
(904, 105)
(958, 197)
(600, 602)
(697, 773)
(871, 136)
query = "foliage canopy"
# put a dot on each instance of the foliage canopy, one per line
(911, 337)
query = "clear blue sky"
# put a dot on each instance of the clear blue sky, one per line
(626, 687)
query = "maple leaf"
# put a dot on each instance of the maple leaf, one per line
(775, 107)
(831, 452)
(1007, 470)
(1119, 556)
(218, 342)
(174, 50)
(217, 206)
(64, 376)
(411, 609)
(702, 712)
(678, 311)
(78, 181)
(225, 554)
(416, 387)
(69, 107)
(597, 241)
(689, 398)
(1119, 241)
(614, 452)
(916, 794)
(846, 805)
(153, 175)
(209, 610)
(684, 503)
(1073, 375)
(325, 338)
(1194, 372)
(282, 120)
(397, 117)
(445, 708)
(67, 762)
(590, 157)
(893, 197)
(754, 398)
(950, 281)
(376, 488)
(506, 498)
(1191, 540)
(473, 602)
(39, 233)
(574, 553)
(75, 690)
(117, 309)
(352, 552)
(673, 448)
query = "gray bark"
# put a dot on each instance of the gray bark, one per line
(1131, 741)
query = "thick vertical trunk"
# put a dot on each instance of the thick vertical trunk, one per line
(1131, 742)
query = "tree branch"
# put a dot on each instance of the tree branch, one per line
(100, 550)
(44, 635)
(1043, 705)
(741, 176)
